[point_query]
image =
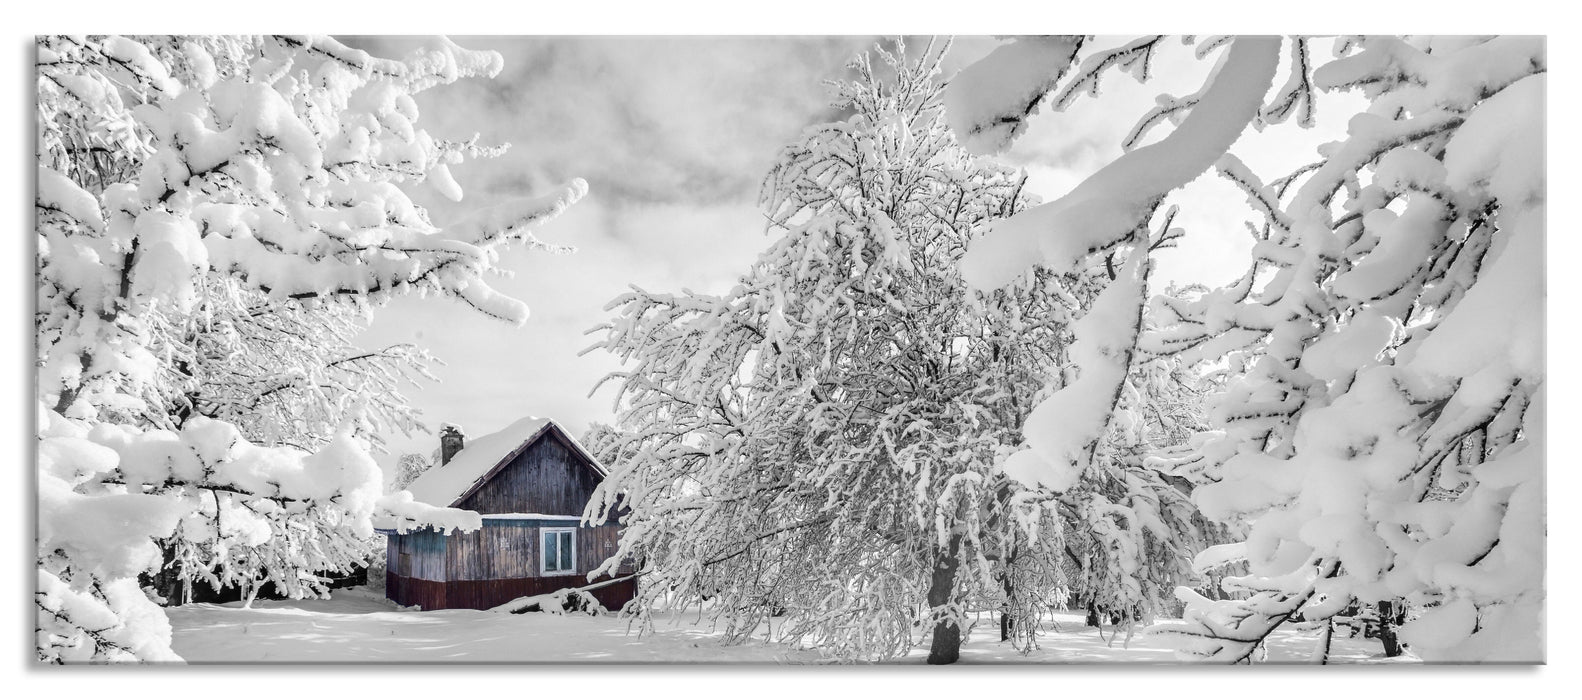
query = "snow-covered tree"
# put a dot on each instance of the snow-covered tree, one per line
(409, 468)
(283, 372)
(1130, 527)
(1380, 432)
(196, 129)
(814, 448)
(209, 210)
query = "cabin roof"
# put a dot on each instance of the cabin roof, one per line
(481, 458)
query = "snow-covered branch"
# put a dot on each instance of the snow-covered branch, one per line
(216, 216)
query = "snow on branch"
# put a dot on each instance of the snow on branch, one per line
(1064, 429)
(399, 512)
(1379, 430)
(1104, 209)
(988, 102)
(114, 499)
(1357, 430)
(1297, 93)
(292, 187)
(1136, 57)
(1233, 631)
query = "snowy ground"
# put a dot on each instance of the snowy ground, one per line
(361, 626)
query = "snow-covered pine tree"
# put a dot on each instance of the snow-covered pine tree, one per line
(814, 448)
(1381, 433)
(190, 188)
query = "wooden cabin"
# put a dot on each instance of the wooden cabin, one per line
(530, 482)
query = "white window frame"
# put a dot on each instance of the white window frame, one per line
(543, 552)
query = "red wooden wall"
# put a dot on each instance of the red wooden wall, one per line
(482, 595)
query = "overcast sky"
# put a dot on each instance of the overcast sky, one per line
(674, 135)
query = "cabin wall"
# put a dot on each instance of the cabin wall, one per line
(500, 563)
(511, 549)
(421, 554)
(415, 569)
(497, 550)
(548, 477)
(430, 595)
(482, 595)
(494, 565)
(595, 544)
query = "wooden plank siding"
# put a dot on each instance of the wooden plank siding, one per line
(596, 544)
(498, 550)
(511, 549)
(402, 590)
(548, 477)
(417, 554)
(482, 595)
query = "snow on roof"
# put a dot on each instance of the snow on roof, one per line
(446, 484)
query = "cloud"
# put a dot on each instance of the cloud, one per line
(643, 119)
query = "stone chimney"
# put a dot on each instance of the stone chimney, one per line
(450, 442)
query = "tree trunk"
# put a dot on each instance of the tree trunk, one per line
(1010, 591)
(1093, 617)
(166, 581)
(1387, 617)
(946, 647)
(1008, 565)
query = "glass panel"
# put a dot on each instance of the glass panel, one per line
(565, 552)
(550, 540)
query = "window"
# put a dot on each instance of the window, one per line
(559, 550)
